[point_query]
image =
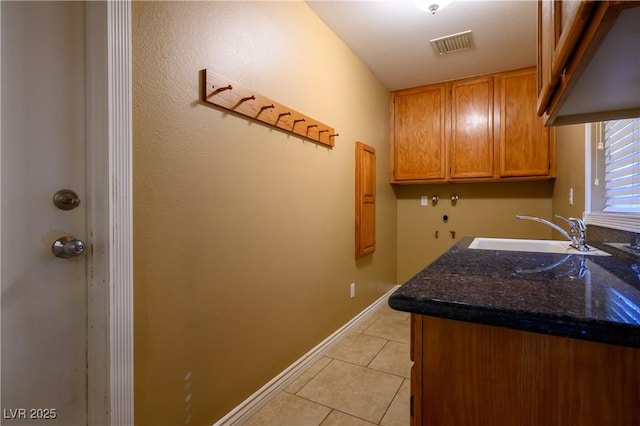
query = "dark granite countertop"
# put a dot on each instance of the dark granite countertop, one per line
(594, 298)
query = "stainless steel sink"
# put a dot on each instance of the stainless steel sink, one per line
(537, 246)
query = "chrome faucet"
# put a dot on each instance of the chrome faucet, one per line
(576, 234)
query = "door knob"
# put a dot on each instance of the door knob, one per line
(67, 247)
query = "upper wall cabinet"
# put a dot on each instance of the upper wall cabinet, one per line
(588, 65)
(471, 134)
(418, 125)
(525, 146)
(476, 129)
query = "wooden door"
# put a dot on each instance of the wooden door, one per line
(525, 145)
(418, 129)
(471, 136)
(365, 199)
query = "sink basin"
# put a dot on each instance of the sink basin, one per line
(538, 246)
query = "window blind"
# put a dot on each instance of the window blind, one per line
(622, 166)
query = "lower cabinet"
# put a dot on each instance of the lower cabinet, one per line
(473, 374)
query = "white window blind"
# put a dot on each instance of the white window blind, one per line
(613, 174)
(622, 165)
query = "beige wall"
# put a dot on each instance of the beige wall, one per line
(243, 249)
(489, 209)
(484, 209)
(244, 235)
(570, 173)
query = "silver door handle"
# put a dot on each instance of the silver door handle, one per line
(67, 247)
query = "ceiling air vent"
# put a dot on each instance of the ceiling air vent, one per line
(452, 43)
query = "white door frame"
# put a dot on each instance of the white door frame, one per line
(110, 218)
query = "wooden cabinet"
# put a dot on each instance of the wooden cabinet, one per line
(586, 69)
(526, 147)
(476, 129)
(560, 23)
(365, 199)
(471, 134)
(418, 126)
(473, 374)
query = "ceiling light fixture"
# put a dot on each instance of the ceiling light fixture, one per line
(431, 5)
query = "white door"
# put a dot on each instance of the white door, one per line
(44, 298)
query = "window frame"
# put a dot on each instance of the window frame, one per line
(629, 222)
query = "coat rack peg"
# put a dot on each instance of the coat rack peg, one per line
(282, 114)
(219, 89)
(235, 97)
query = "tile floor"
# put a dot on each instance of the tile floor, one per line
(362, 380)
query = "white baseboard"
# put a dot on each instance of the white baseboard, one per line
(260, 398)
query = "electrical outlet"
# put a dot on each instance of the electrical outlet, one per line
(570, 196)
(424, 200)
(352, 289)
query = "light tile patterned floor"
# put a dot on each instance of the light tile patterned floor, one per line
(362, 380)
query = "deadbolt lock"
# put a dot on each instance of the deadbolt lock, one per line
(66, 199)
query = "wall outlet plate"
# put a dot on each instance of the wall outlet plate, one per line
(424, 200)
(570, 196)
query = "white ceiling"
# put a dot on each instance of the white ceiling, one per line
(392, 37)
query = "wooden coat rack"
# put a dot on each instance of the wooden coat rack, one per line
(230, 95)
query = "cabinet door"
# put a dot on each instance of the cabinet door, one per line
(560, 27)
(475, 374)
(546, 46)
(416, 350)
(525, 146)
(570, 19)
(365, 199)
(418, 126)
(590, 74)
(471, 137)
